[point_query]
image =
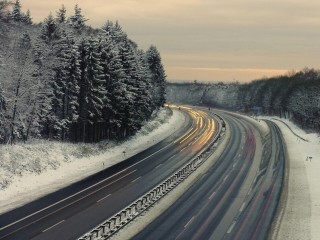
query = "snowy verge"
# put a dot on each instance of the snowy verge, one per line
(29, 171)
(301, 213)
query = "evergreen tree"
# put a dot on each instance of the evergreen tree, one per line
(96, 82)
(114, 85)
(50, 30)
(158, 76)
(92, 91)
(16, 14)
(144, 98)
(2, 116)
(61, 14)
(26, 18)
(77, 21)
(65, 88)
(128, 61)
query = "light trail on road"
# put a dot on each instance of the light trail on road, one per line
(91, 201)
(236, 198)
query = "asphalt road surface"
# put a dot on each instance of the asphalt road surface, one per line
(74, 210)
(236, 198)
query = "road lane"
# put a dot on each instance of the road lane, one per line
(115, 187)
(236, 199)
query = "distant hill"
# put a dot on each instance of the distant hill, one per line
(218, 95)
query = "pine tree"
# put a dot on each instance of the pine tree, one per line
(96, 83)
(26, 18)
(158, 76)
(92, 91)
(77, 21)
(128, 61)
(65, 88)
(16, 14)
(115, 87)
(3, 133)
(144, 98)
(50, 30)
(61, 14)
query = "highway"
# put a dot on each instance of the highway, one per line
(74, 210)
(237, 197)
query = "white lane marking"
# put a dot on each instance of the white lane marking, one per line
(182, 149)
(43, 209)
(231, 227)
(179, 235)
(159, 165)
(172, 157)
(212, 195)
(242, 206)
(53, 226)
(136, 179)
(151, 155)
(225, 178)
(190, 221)
(103, 198)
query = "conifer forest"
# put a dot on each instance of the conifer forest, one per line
(62, 79)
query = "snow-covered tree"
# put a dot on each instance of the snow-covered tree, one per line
(92, 90)
(77, 21)
(3, 133)
(26, 18)
(61, 15)
(50, 30)
(158, 76)
(65, 87)
(21, 88)
(143, 101)
(114, 76)
(16, 14)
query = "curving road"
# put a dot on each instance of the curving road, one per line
(72, 211)
(237, 197)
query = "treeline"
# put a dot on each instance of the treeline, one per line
(295, 96)
(62, 79)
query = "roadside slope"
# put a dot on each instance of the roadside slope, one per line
(37, 169)
(299, 217)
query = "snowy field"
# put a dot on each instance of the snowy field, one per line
(301, 214)
(29, 171)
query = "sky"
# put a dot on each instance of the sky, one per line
(211, 40)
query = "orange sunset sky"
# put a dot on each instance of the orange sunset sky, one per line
(218, 40)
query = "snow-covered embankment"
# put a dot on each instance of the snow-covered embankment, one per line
(29, 171)
(299, 217)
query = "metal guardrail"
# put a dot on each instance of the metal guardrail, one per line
(123, 217)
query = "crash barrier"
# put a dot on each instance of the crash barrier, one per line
(123, 217)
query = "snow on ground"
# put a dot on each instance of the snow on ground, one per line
(29, 171)
(301, 213)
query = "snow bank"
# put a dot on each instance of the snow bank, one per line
(29, 171)
(301, 216)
